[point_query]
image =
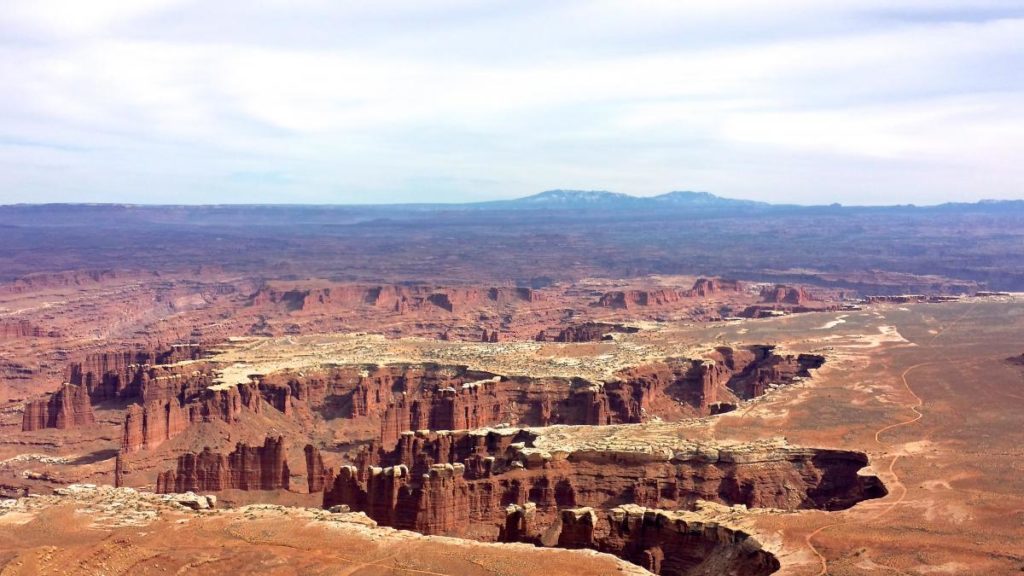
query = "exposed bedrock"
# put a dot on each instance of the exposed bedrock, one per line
(587, 332)
(396, 298)
(17, 329)
(488, 471)
(68, 407)
(780, 294)
(630, 299)
(399, 398)
(148, 425)
(318, 475)
(666, 543)
(246, 468)
(131, 374)
(704, 287)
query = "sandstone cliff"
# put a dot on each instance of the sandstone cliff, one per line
(630, 299)
(705, 287)
(23, 329)
(126, 375)
(68, 407)
(246, 468)
(318, 476)
(478, 475)
(666, 543)
(400, 299)
(781, 294)
(148, 425)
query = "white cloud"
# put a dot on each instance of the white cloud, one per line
(644, 97)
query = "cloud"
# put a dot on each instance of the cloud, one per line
(457, 100)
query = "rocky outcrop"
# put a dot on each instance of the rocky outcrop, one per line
(630, 299)
(120, 469)
(666, 543)
(318, 476)
(401, 299)
(910, 298)
(147, 426)
(436, 503)
(51, 280)
(500, 468)
(246, 468)
(68, 407)
(588, 332)
(705, 287)
(400, 398)
(132, 374)
(23, 329)
(150, 425)
(780, 294)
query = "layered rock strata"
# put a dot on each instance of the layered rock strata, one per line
(414, 397)
(487, 471)
(401, 299)
(245, 468)
(126, 375)
(666, 543)
(68, 407)
(318, 475)
(147, 426)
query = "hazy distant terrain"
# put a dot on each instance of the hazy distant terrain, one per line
(558, 234)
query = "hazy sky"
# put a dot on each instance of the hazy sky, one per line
(815, 101)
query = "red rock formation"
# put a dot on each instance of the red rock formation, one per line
(437, 504)
(246, 468)
(588, 332)
(442, 501)
(630, 299)
(705, 287)
(780, 294)
(278, 396)
(47, 280)
(23, 329)
(120, 469)
(401, 299)
(68, 407)
(318, 476)
(225, 403)
(510, 295)
(578, 526)
(149, 425)
(498, 473)
(666, 543)
(126, 375)
(402, 398)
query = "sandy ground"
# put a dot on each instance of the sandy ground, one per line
(924, 390)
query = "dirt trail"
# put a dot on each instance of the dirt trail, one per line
(915, 406)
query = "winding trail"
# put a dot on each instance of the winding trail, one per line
(915, 407)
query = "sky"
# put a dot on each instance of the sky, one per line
(348, 101)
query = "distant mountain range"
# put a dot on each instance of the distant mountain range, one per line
(705, 202)
(599, 199)
(560, 203)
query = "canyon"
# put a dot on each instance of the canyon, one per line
(458, 450)
(567, 403)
